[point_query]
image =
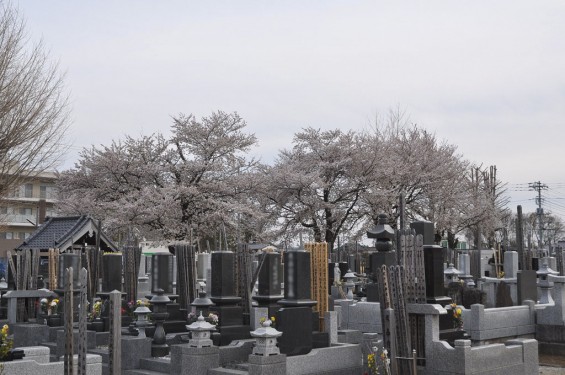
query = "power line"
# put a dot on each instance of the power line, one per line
(538, 186)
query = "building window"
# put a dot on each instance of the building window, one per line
(9, 235)
(28, 193)
(26, 211)
(3, 210)
(43, 192)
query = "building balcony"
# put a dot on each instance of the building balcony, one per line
(49, 197)
(18, 220)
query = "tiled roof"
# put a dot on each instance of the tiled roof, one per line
(62, 232)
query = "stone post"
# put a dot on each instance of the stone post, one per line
(68, 358)
(82, 313)
(115, 344)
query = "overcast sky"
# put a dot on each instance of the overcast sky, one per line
(487, 76)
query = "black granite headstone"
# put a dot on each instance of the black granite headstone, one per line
(433, 267)
(426, 229)
(535, 264)
(269, 280)
(472, 296)
(527, 286)
(112, 271)
(223, 278)
(297, 279)
(162, 273)
(67, 260)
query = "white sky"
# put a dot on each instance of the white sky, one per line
(488, 76)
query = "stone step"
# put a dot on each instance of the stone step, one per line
(226, 371)
(103, 352)
(52, 350)
(241, 366)
(155, 364)
(143, 372)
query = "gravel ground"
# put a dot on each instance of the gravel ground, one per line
(552, 365)
(546, 370)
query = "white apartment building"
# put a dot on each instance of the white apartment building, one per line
(25, 208)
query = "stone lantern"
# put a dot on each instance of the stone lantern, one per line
(142, 312)
(202, 303)
(383, 233)
(349, 278)
(200, 330)
(385, 254)
(159, 347)
(451, 273)
(544, 283)
(266, 339)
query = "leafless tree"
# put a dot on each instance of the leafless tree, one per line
(33, 105)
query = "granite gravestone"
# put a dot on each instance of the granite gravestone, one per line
(433, 267)
(230, 325)
(295, 319)
(269, 283)
(162, 267)
(527, 286)
(112, 271)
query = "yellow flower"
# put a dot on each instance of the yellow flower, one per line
(272, 319)
(5, 329)
(458, 311)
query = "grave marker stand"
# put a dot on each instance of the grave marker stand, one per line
(83, 311)
(115, 344)
(68, 316)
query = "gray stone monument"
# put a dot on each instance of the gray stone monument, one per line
(511, 264)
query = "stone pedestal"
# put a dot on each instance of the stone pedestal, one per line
(187, 360)
(296, 325)
(133, 349)
(267, 365)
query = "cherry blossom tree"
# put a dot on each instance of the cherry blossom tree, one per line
(317, 185)
(33, 105)
(193, 182)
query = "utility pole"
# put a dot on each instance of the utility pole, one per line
(538, 186)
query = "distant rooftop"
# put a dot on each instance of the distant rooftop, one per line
(62, 232)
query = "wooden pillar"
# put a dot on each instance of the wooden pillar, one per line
(115, 345)
(82, 313)
(68, 316)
